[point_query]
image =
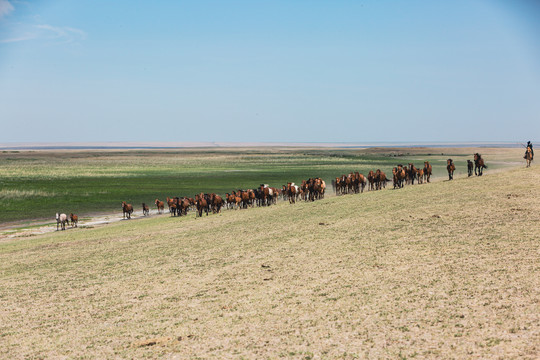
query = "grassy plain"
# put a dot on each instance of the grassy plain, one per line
(36, 184)
(441, 270)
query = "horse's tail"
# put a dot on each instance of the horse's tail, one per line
(485, 166)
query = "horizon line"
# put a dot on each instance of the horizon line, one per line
(96, 145)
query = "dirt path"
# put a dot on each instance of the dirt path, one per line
(17, 231)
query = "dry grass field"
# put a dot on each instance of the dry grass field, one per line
(440, 270)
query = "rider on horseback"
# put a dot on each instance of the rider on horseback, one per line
(529, 145)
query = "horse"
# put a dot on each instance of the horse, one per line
(427, 170)
(395, 177)
(145, 209)
(359, 182)
(478, 164)
(420, 175)
(160, 206)
(470, 166)
(74, 219)
(412, 172)
(380, 179)
(529, 156)
(371, 180)
(172, 204)
(450, 167)
(61, 219)
(217, 203)
(182, 206)
(407, 178)
(127, 209)
(202, 204)
(400, 176)
(292, 190)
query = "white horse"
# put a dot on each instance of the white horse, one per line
(61, 219)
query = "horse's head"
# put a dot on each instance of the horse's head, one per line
(57, 216)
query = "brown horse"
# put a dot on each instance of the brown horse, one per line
(182, 206)
(292, 191)
(359, 182)
(529, 156)
(380, 179)
(450, 167)
(216, 202)
(400, 176)
(394, 177)
(160, 206)
(74, 220)
(145, 209)
(420, 175)
(244, 195)
(470, 166)
(371, 179)
(412, 172)
(427, 170)
(202, 204)
(127, 209)
(172, 206)
(478, 164)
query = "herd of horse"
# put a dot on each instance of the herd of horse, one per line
(62, 220)
(308, 190)
(264, 195)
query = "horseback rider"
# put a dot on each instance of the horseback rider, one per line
(529, 145)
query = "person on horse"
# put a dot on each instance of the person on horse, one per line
(529, 145)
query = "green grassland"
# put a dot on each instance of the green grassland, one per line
(442, 270)
(36, 184)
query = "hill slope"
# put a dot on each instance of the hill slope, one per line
(447, 269)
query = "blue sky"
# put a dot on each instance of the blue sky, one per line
(294, 71)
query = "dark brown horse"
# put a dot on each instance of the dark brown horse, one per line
(427, 170)
(450, 167)
(478, 164)
(412, 172)
(182, 206)
(401, 175)
(371, 180)
(216, 203)
(127, 209)
(470, 166)
(394, 177)
(145, 209)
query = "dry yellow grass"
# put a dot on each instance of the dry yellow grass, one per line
(443, 270)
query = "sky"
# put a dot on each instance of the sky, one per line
(269, 71)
